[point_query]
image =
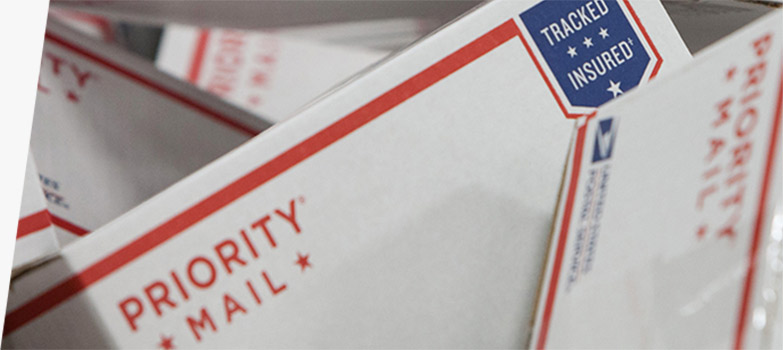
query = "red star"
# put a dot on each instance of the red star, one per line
(303, 261)
(254, 100)
(727, 232)
(701, 232)
(259, 79)
(73, 97)
(166, 343)
(268, 59)
(730, 73)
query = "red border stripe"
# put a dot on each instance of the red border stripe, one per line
(103, 25)
(67, 225)
(33, 223)
(73, 285)
(151, 85)
(546, 79)
(562, 238)
(198, 56)
(42, 219)
(759, 224)
(646, 37)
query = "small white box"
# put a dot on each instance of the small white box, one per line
(667, 207)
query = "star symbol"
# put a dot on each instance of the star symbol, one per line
(588, 42)
(571, 51)
(727, 232)
(614, 88)
(603, 33)
(701, 232)
(254, 100)
(259, 79)
(166, 343)
(73, 97)
(303, 261)
(268, 59)
(730, 73)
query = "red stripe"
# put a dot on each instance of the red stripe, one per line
(546, 79)
(102, 268)
(198, 55)
(42, 219)
(69, 226)
(33, 223)
(561, 241)
(759, 224)
(106, 29)
(646, 37)
(151, 85)
(103, 25)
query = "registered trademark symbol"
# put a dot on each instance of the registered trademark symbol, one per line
(301, 199)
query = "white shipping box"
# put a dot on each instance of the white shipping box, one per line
(110, 130)
(669, 197)
(409, 208)
(270, 75)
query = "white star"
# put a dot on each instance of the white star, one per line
(603, 33)
(614, 88)
(571, 51)
(588, 42)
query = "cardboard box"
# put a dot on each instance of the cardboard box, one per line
(110, 130)
(409, 208)
(667, 205)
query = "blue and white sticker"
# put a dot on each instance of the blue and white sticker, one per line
(591, 49)
(605, 134)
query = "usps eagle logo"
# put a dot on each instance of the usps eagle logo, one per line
(592, 51)
(604, 140)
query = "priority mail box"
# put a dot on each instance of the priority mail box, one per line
(270, 75)
(110, 131)
(35, 236)
(411, 207)
(667, 205)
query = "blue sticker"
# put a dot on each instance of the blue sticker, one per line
(604, 140)
(590, 47)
